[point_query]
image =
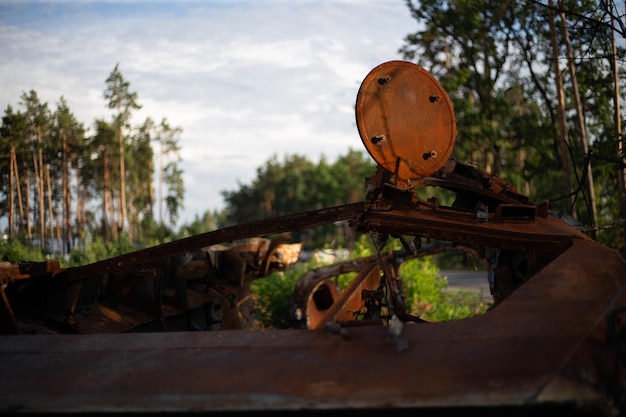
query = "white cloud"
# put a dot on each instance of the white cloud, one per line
(245, 80)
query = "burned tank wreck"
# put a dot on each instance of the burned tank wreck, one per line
(167, 329)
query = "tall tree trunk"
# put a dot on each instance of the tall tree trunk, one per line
(29, 227)
(114, 214)
(13, 180)
(50, 211)
(565, 156)
(124, 214)
(42, 187)
(39, 187)
(151, 187)
(161, 180)
(618, 128)
(105, 195)
(81, 215)
(59, 222)
(67, 204)
(18, 186)
(487, 161)
(583, 130)
(522, 161)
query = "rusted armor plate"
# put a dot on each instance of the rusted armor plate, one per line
(402, 112)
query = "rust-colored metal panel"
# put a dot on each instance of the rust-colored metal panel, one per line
(347, 305)
(542, 346)
(402, 112)
(553, 340)
(275, 225)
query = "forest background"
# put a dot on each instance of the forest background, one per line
(536, 88)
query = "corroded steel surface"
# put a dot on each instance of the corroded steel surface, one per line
(553, 339)
(446, 224)
(543, 345)
(403, 113)
(286, 223)
(348, 303)
(204, 289)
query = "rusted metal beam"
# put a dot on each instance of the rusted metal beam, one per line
(544, 346)
(465, 228)
(348, 303)
(275, 225)
(554, 338)
(26, 270)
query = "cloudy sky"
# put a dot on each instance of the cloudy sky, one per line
(244, 79)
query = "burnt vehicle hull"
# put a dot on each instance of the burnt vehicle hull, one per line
(119, 335)
(555, 341)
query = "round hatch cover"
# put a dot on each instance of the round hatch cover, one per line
(403, 112)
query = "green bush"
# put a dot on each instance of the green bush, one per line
(96, 250)
(426, 297)
(426, 292)
(272, 296)
(422, 286)
(15, 251)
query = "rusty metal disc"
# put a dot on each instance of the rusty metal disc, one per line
(403, 112)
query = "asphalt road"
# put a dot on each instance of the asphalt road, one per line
(469, 281)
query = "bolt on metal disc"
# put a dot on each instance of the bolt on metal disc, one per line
(403, 112)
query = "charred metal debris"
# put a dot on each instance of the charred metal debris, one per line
(172, 328)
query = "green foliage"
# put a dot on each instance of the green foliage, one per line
(119, 96)
(422, 284)
(426, 297)
(171, 176)
(363, 247)
(458, 260)
(97, 184)
(208, 222)
(458, 304)
(15, 251)
(97, 250)
(505, 97)
(272, 296)
(154, 233)
(296, 184)
(426, 292)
